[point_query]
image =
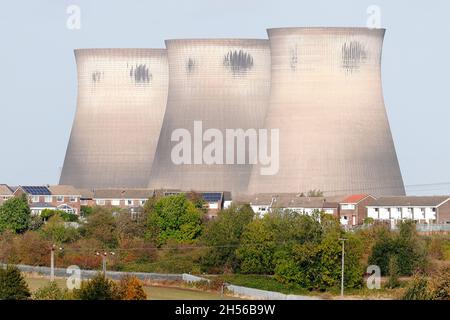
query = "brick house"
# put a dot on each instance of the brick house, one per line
(353, 209)
(64, 198)
(120, 198)
(6, 193)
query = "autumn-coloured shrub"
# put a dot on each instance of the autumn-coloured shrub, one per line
(135, 251)
(131, 288)
(8, 252)
(83, 254)
(32, 249)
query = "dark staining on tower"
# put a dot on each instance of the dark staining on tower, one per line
(353, 55)
(238, 61)
(96, 76)
(140, 74)
(293, 58)
(190, 65)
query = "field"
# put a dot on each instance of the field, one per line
(153, 292)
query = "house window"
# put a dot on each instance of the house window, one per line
(73, 199)
(60, 199)
(129, 202)
(115, 202)
(48, 199)
(348, 207)
(84, 202)
(35, 198)
(100, 202)
(143, 202)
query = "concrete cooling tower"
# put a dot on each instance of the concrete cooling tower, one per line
(225, 84)
(122, 95)
(327, 102)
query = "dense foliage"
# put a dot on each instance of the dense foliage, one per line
(15, 215)
(12, 284)
(406, 246)
(174, 218)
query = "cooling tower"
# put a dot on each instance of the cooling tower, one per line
(225, 84)
(122, 95)
(327, 102)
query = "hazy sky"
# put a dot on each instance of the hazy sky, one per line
(38, 74)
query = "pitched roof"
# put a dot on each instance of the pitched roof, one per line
(5, 190)
(290, 200)
(123, 193)
(36, 190)
(409, 201)
(355, 198)
(62, 190)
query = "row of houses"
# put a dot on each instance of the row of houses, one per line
(352, 210)
(71, 200)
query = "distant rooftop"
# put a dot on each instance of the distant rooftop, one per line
(410, 201)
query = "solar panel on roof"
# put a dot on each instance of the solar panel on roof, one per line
(212, 196)
(33, 190)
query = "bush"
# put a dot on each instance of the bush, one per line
(51, 292)
(437, 288)
(131, 288)
(56, 231)
(393, 280)
(12, 284)
(82, 254)
(98, 288)
(101, 225)
(31, 249)
(408, 248)
(417, 289)
(223, 236)
(318, 266)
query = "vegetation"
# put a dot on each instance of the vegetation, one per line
(15, 215)
(12, 284)
(51, 291)
(406, 246)
(174, 218)
(282, 250)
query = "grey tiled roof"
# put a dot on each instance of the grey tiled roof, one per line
(409, 201)
(290, 200)
(123, 193)
(62, 190)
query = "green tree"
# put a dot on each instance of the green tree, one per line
(13, 285)
(51, 291)
(98, 288)
(15, 215)
(101, 225)
(174, 217)
(223, 235)
(407, 247)
(56, 231)
(393, 280)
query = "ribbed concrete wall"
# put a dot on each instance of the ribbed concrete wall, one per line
(224, 83)
(122, 95)
(326, 100)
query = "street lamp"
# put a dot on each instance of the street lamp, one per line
(52, 262)
(342, 265)
(104, 255)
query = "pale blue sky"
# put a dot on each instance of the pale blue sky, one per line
(38, 74)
